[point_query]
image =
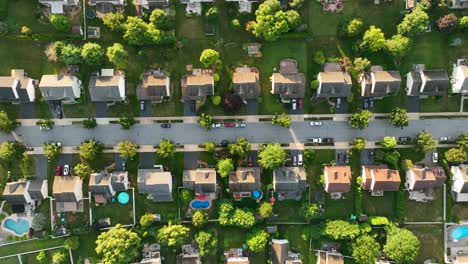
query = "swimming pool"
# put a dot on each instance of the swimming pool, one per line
(198, 204)
(123, 198)
(459, 233)
(19, 226)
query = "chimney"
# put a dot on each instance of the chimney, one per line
(244, 176)
(207, 175)
(336, 175)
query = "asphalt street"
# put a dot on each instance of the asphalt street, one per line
(261, 132)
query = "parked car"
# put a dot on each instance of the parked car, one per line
(299, 103)
(371, 103)
(216, 125)
(295, 161)
(327, 140)
(315, 123)
(346, 158)
(240, 124)
(165, 125)
(249, 161)
(142, 105)
(444, 139)
(294, 104)
(300, 162)
(435, 157)
(224, 143)
(404, 140)
(315, 140)
(58, 170)
(338, 102)
(124, 165)
(365, 103)
(338, 157)
(66, 170)
(229, 124)
(371, 155)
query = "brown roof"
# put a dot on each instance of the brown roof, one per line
(385, 178)
(428, 177)
(245, 179)
(338, 178)
(202, 79)
(245, 77)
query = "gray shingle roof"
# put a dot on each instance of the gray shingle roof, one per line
(334, 84)
(436, 82)
(381, 83)
(105, 88)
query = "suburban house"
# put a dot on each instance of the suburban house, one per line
(59, 87)
(424, 83)
(246, 83)
(57, 6)
(337, 180)
(23, 193)
(410, 4)
(460, 76)
(329, 257)
(197, 86)
(460, 183)
(151, 254)
(236, 256)
(289, 83)
(289, 182)
(194, 6)
(378, 179)
(245, 6)
(244, 181)
(333, 81)
(379, 83)
(17, 87)
(108, 86)
(189, 255)
(103, 185)
(151, 4)
(156, 183)
(280, 253)
(459, 4)
(422, 179)
(156, 87)
(107, 6)
(202, 181)
(68, 193)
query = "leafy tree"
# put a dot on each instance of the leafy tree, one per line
(378, 221)
(186, 195)
(90, 123)
(359, 144)
(407, 164)
(366, 250)
(216, 100)
(126, 122)
(271, 21)
(26, 30)
(319, 57)
(212, 13)
(293, 18)
(231, 216)
(7, 125)
(199, 218)
(447, 23)
(89, 149)
(71, 54)
(462, 22)
(166, 149)
(11, 151)
(360, 119)
(41, 257)
(72, 243)
(414, 22)
(92, 53)
(388, 142)
(209, 57)
(282, 120)
(425, 142)
(82, 170)
(309, 211)
(462, 142)
(207, 243)
(135, 31)
(173, 235)
(240, 149)
(339, 230)
(354, 27)
(235, 23)
(153, 34)
(160, 19)
(265, 209)
(127, 149)
(314, 84)
(271, 156)
(51, 150)
(232, 103)
(146, 220)
(360, 65)
(118, 245)
(398, 45)
(402, 246)
(117, 55)
(399, 117)
(59, 257)
(60, 22)
(258, 240)
(373, 39)
(209, 147)
(296, 4)
(392, 157)
(3, 28)
(39, 222)
(205, 121)
(114, 21)
(455, 155)
(225, 166)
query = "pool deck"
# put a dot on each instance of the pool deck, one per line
(455, 248)
(15, 217)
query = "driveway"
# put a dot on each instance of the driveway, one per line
(252, 107)
(189, 108)
(412, 104)
(40, 166)
(428, 158)
(343, 109)
(28, 110)
(119, 162)
(294, 153)
(146, 160)
(191, 160)
(340, 156)
(148, 110)
(55, 108)
(366, 156)
(101, 109)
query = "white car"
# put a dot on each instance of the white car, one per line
(240, 124)
(66, 170)
(435, 157)
(142, 105)
(295, 161)
(216, 125)
(315, 140)
(444, 139)
(294, 104)
(315, 123)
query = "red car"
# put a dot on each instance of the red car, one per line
(229, 124)
(58, 170)
(249, 161)
(299, 103)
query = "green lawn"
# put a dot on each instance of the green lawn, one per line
(428, 211)
(379, 206)
(288, 210)
(30, 245)
(441, 104)
(298, 236)
(432, 242)
(118, 213)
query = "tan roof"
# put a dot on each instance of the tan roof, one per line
(15, 188)
(238, 260)
(332, 77)
(204, 175)
(288, 78)
(66, 184)
(464, 69)
(99, 179)
(245, 77)
(151, 80)
(108, 81)
(387, 76)
(56, 80)
(339, 178)
(155, 176)
(330, 258)
(202, 79)
(244, 175)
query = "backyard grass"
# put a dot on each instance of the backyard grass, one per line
(298, 236)
(440, 104)
(428, 211)
(118, 213)
(432, 242)
(341, 208)
(288, 210)
(379, 206)
(30, 246)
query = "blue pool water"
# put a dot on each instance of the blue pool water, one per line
(20, 227)
(256, 194)
(123, 198)
(200, 204)
(460, 232)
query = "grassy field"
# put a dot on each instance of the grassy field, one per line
(428, 211)
(118, 213)
(432, 242)
(379, 206)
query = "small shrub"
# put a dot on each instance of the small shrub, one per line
(216, 100)
(235, 23)
(319, 57)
